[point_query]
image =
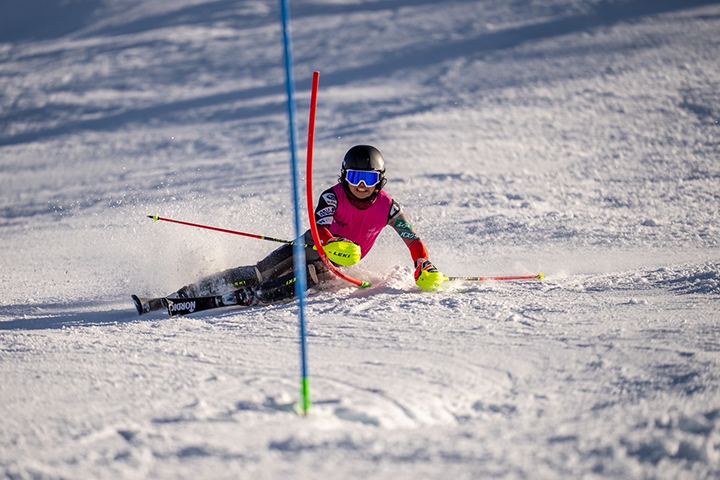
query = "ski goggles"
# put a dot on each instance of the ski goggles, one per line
(356, 177)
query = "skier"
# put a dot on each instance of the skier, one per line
(349, 217)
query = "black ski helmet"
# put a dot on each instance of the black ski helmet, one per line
(364, 157)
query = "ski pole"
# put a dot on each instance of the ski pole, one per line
(215, 229)
(539, 277)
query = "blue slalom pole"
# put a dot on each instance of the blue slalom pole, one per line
(298, 247)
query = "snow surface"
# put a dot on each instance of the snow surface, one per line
(576, 138)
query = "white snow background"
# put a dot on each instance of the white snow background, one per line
(577, 138)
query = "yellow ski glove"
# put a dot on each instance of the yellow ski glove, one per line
(343, 252)
(427, 277)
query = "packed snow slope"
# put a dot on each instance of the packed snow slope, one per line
(577, 138)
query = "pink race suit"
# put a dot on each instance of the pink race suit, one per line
(360, 226)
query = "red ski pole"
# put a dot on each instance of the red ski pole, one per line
(215, 229)
(539, 277)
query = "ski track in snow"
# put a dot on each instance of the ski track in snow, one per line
(579, 139)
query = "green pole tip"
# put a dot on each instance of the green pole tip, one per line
(365, 284)
(306, 402)
(541, 276)
(154, 217)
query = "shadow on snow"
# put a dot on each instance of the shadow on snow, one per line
(59, 316)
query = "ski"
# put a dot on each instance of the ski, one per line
(184, 306)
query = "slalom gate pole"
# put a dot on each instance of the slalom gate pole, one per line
(539, 277)
(310, 199)
(233, 232)
(298, 248)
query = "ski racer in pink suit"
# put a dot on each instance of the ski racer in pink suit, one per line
(349, 216)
